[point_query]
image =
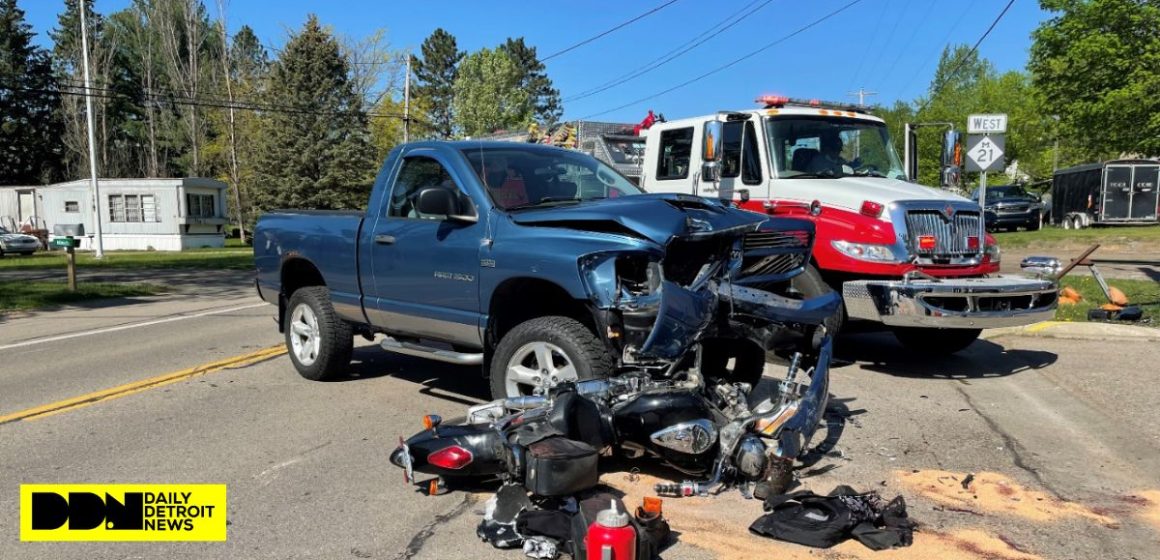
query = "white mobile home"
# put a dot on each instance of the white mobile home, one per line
(141, 214)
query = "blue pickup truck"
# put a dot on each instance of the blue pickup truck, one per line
(540, 265)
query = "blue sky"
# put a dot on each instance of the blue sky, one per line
(887, 46)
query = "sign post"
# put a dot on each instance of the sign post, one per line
(66, 238)
(985, 146)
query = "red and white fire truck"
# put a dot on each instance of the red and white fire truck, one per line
(915, 259)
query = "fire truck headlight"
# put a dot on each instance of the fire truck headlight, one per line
(865, 251)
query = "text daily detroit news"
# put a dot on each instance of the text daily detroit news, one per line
(123, 512)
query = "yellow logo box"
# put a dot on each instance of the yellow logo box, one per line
(122, 512)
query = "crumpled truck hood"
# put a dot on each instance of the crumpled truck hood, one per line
(656, 217)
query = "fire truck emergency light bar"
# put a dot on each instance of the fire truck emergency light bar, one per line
(777, 101)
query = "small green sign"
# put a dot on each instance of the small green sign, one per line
(66, 242)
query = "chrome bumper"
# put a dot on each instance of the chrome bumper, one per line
(957, 303)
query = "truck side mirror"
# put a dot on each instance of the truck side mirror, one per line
(440, 201)
(711, 152)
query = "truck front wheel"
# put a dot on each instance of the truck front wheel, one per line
(938, 342)
(810, 284)
(542, 352)
(319, 342)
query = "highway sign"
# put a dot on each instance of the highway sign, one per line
(985, 153)
(987, 124)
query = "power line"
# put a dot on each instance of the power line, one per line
(665, 59)
(603, 33)
(945, 41)
(102, 93)
(767, 46)
(967, 56)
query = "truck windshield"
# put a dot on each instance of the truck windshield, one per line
(523, 178)
(810, 147)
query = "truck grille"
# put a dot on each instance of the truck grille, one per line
(1014, 209)
(772, 264)
(776, 239)
(950, 235)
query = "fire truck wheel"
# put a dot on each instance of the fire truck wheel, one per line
(810, 284)
(935, 342)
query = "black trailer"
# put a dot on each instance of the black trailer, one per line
(1110, 193)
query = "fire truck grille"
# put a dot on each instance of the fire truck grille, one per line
(950, 234)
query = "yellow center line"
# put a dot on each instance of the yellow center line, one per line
(137, 386)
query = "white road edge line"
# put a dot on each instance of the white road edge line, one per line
(129, 326)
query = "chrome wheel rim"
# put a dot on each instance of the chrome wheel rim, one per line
(536, 367)
(305, 339)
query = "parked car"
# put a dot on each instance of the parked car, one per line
(12, 242)
(1011, 207)
(539, 264)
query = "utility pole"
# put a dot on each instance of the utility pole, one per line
(100, 253)
(861, 94)
(407, 103)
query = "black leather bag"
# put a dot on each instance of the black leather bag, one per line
(558, 466)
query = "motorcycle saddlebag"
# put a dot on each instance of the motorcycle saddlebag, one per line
(558, 466)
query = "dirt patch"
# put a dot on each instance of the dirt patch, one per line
(720, 525)
(993, 492)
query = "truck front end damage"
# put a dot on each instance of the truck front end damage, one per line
(730, 283)
(964, 303)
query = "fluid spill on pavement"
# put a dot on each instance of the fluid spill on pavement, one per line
(1150, 504)
(994, 493)
(720, 525)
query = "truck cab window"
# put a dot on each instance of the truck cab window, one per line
(417, 174)
(731, 149)
(750, 160)
(676, 149)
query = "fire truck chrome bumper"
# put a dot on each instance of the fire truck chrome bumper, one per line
(962, 303)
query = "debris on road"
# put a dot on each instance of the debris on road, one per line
(993, 492)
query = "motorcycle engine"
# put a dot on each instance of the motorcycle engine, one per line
(751, 459)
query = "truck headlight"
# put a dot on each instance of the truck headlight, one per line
(991, 249)
(865, 251)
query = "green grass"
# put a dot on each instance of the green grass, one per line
(32, 295)
(229, 258)
(1059, 237)
(1145, 293)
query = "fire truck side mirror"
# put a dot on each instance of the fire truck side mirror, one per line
(711, 152)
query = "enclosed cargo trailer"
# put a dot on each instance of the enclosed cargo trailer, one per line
(1110, 193)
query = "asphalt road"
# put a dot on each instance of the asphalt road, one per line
(1060, 434)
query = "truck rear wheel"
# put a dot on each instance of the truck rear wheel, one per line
(319, 342)
(937, 342)
(542, 352)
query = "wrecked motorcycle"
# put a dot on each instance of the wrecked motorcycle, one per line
(704, 428)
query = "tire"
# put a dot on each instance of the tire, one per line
(935, 342)
(575, 352)
(318, 341)
(810, 284)
(748, 360)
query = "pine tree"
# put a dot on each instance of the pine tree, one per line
(30, 127)
(534, 80)
(435, 75)
(315, 150)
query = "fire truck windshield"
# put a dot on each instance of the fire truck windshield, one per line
(812, 147)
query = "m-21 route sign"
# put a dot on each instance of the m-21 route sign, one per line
(987, 124)
(985, 153)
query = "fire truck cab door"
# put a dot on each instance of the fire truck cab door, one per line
(739, 171)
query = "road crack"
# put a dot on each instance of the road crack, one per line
(428, 530)
(1012, 446)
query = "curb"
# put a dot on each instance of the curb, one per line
(1078, 331)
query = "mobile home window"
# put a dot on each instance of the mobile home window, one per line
(72, 206)
(676, 150)
(132, 208)
(200, 205)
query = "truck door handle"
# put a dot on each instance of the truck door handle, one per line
(385, 239)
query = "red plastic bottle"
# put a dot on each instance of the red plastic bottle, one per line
(611, 537)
